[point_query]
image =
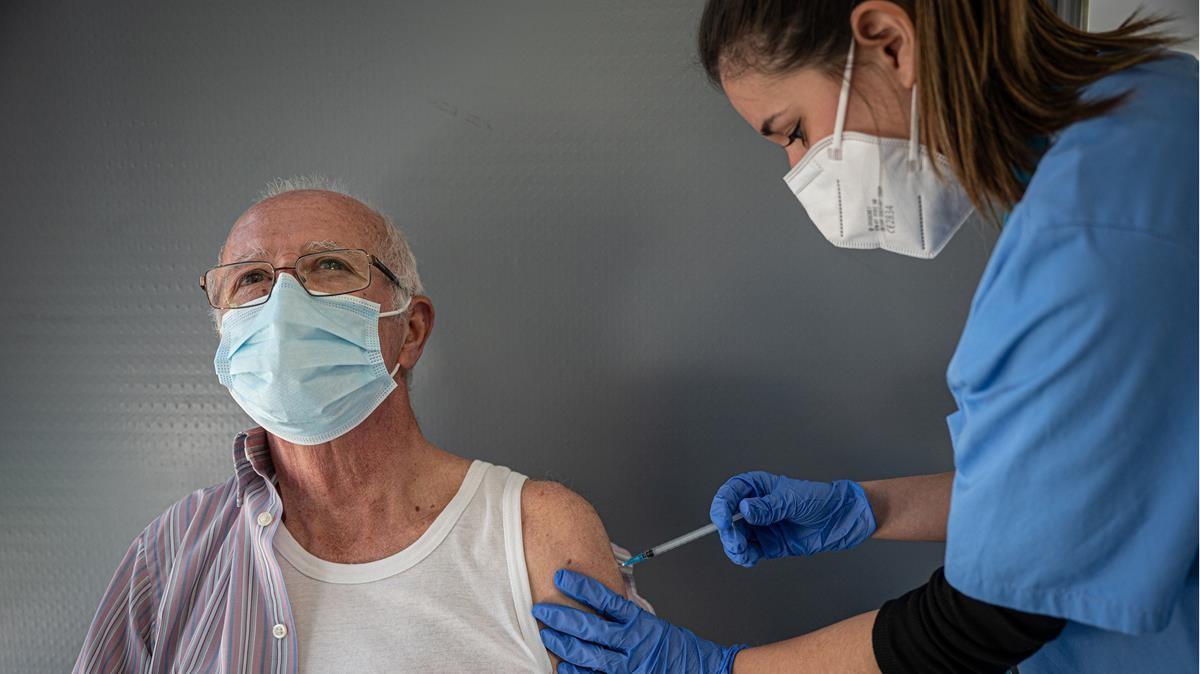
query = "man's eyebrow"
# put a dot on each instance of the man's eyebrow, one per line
(321, 245)
(261, 253)
(256, 253)
(765, 129)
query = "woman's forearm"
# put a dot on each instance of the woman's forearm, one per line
(841, 648)
(906, 508)
(910, 508)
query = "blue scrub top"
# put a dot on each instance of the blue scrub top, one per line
(1075, 438)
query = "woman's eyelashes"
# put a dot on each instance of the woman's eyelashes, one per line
(797, 134)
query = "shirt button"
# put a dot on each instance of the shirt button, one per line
(280, 631)
(265, 518)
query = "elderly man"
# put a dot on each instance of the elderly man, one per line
(345, 541)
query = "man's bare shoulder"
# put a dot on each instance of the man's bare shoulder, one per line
(562, 530)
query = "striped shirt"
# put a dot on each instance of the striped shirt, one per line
(199, 590)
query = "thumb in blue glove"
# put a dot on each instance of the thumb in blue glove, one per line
(786, 517)
(621, 638)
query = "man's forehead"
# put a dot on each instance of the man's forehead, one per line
(298, 223)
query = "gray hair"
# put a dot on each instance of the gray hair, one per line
(390, 247)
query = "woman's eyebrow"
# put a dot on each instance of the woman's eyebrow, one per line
(765, 129)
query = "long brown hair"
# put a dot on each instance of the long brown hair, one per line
(995, 75)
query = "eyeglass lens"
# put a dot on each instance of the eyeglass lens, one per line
(333, 272)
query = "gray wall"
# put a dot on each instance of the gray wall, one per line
(629, 299)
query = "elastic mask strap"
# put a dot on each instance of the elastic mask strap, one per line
(395, 312)
(835, 150)
(914, 131)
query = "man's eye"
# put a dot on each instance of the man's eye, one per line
(331, 264)
(797, 134)
(251, 277)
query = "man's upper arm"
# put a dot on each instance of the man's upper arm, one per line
(562, 530)
(118, 639)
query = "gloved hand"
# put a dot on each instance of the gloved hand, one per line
(785, 517)
(622, 638)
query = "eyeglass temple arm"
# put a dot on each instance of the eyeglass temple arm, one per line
(387, 272)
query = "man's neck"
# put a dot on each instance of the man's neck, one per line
(369, 493)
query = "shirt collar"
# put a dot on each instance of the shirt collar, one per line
(252, 460)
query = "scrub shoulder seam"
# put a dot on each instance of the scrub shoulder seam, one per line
(1113, 227)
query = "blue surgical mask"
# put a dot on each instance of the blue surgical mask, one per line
(308, 369)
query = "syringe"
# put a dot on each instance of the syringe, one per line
(674, 543)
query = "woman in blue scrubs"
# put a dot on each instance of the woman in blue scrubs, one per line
(1071, 519)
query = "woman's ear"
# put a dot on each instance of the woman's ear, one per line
(886, 31)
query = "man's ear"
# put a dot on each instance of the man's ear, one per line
(419, 326)
(886, 29)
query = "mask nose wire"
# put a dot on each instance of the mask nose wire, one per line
(839, 125)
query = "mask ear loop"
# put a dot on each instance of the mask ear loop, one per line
(914, 131)
(835, 150)
(395, 312)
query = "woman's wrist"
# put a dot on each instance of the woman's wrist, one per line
(880, 504)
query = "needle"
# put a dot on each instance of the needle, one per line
(674, 543)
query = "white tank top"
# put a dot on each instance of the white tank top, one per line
(456, 600)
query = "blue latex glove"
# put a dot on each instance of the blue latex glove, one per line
(786, 517)
(622, 637)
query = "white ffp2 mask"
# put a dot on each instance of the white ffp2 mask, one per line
(863, 191)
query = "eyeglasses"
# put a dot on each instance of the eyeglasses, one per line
(329, 272)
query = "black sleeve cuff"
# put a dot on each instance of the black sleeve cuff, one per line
(936, 628)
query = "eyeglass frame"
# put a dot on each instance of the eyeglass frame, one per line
(275, 276)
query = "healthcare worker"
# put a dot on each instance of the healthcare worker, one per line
(1071, 520)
